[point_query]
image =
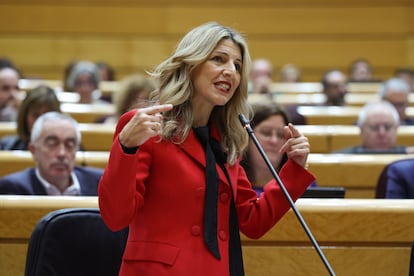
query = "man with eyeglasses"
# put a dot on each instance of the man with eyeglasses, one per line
(397, 92)
(9, 89)
(54, 141)
(378, 123)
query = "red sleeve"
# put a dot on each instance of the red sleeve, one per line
(259, 215)
(120, 193)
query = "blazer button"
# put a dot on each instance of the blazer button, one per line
(222, 235)
(224, 197)
(195, 230)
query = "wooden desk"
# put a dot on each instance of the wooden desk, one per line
(330, 138)
(16, 160)
(316, 87)
(106, 87)
(335, 115)
(358, 237)
(358, 173)
(87, 113)
(351, 99)
(95, 137)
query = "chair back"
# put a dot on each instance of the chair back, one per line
(411, 273)
(381, 187)
(74, 241)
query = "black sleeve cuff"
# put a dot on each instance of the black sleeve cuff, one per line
(127, 150)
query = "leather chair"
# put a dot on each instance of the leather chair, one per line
(411, 272)
(74, 241)
(381, 188)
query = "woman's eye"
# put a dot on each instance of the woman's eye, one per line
(217, 58)
(238, 67)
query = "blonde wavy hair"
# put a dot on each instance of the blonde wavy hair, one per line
(175, 87)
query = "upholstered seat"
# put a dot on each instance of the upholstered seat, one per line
(74, 241)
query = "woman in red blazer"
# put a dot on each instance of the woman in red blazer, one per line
(156, 180)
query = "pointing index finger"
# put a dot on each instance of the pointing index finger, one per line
(294, 130)
(158, 108)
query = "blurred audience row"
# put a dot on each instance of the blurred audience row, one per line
(262, 75)
(378, 121)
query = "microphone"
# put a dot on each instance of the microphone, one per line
(246, 124)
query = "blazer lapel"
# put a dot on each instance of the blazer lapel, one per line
(38, 188)
(193, 148)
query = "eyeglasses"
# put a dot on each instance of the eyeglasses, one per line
(377, 127)
(268, 133)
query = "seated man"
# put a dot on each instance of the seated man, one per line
(334, 87)
(378, 123)
(9, 89)
(260, 78)
(54, 141)
(400, 179)
(397, 92)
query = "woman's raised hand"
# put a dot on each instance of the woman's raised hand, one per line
(146, 123)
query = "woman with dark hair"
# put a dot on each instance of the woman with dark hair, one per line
(37, 101)
(269, 121)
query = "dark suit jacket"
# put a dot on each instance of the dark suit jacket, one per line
(400, 179)
(26, 183)
(13, 143)
(362, 150)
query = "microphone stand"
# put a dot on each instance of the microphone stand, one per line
(246, 124)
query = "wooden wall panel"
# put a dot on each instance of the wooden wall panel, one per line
(270, 21)
(215, 2)
(83, 19)
(134, 36)
(52, 54)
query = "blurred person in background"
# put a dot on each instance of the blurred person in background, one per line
(406, 74)
(269, 121)
(260, 79)
(54, 141)
(360, 70)
(397, 91)
(84, 79)
(9, 93)
(290, 73)
(334, 87)
(378, 123)
(133, 89)
(106, 71)
(39, 100)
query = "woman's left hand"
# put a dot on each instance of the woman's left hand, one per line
(296, 146)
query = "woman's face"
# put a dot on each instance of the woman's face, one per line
(85, 85)
(216, 79)
(271, 136)
(33, 114)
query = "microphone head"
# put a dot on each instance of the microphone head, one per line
(243, 120)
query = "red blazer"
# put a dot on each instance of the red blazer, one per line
(159, 193)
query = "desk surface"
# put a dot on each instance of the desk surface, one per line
(375, 236)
